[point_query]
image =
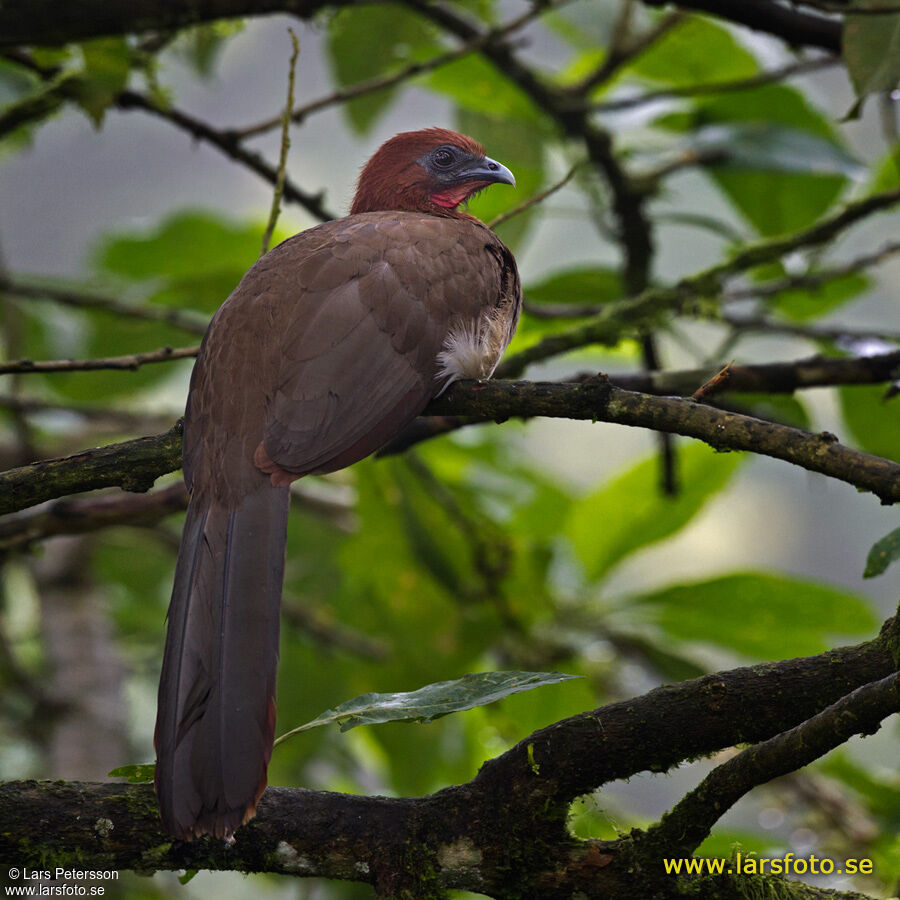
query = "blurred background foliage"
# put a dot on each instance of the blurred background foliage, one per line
(538, 546)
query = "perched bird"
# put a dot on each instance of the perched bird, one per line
(328, 347)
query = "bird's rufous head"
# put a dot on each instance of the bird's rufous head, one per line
(432, 171)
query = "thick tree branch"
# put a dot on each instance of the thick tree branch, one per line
(50, 22)
(770, 378)
(774, 378)
(419, 67)
(798, 29)
(90, 514)
(462, 837)
(599, 400)
(132, 465)
(135, 464)
(861, 712)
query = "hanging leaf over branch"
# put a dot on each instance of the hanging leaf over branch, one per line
(432, 701)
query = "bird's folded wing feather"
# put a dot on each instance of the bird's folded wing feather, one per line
(359, 356)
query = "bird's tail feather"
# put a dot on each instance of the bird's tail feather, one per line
(216, 714)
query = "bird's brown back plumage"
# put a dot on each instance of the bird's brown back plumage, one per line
(329, 346)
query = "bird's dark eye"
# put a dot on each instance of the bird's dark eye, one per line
(442, 158)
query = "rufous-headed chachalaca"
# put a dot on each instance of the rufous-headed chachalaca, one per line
(329, 346)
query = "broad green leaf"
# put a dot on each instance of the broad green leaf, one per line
(773, 202)
(758, 615)
(801, 304)
(19, 118)
(879, 787)
(631, 512)
(773, 148)
(98, 334)
(722, 844)
(676, 58)
(582, 286)
(585, 26)
(183, 245)
(138, 774)
(107, 63)
(886, 172)
(882, 554)
(871, 49)
(15, 82)
(432, 701)
(775, 104)
(511, 141)
(371, 40)
(194, 258)
(783, 408)
(873, 421)
(203, 44)
(473, 84)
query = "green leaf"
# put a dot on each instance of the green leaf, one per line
(511, 142)
(759, 615)
(582, 286)
(871, 50)
(19, 118)
(774, 202)
(202, 45)
(886, 172)
(782, 408)
(142, 773)
(674, 59)
(473, 84)
(873, 421)
(773, 148)
(371, 40)
(882, 554)
(107, 62)
(631, 512)
(432, 701)
(801, 304)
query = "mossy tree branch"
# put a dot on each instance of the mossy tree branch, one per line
(502, 834)
(135, 464)
(861, 712)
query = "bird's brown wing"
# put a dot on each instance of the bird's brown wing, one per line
(359, 350)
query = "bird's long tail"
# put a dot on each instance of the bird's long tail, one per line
(216, 714)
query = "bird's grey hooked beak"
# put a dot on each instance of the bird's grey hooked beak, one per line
(487, 169)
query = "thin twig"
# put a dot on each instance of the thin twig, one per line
(618, 319)
(132, 361)
(537, 198)
(285, 147)
(885, 9)
(230, 146)
(723, 87)
(714, 384)
(814, 279)
(752, 291)
(382, 82)
(119, 417)
(324, 629)
(813, 332)
(194, 323)
(629, 50)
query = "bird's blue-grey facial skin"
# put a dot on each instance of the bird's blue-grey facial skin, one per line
(449, 165)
